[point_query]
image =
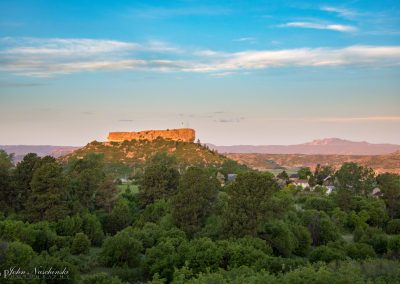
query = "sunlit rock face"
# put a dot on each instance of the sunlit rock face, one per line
(181, 134)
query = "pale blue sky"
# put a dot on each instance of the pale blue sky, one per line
(239, 72)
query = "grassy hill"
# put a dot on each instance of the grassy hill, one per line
(136, 152)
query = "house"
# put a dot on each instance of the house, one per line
(376, 192)
(301, 182)
(221, 178)
(231, 177)
(329, 189)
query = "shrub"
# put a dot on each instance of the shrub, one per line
(326, 254)
(393, 226)
(121, 249)
(80, 244)
(100, 278)
(280, 237)
(394, 247)
(360, 251)
(15, 254)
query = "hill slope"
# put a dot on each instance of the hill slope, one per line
(328, 146)
(380, 163)
(136, 152)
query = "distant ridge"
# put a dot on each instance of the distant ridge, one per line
(327, 146)
(20, 151)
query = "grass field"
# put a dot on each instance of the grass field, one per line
(134, 187)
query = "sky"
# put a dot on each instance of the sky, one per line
(238, 72)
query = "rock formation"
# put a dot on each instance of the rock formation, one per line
(181, 134)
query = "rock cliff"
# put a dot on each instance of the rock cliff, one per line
(181, 134)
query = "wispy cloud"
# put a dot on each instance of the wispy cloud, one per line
(49, 57)
(250, 40)
(20, 85)
(335, 119)
(162, 12)
(343, 12)
(64, 47)
(319, 26)
(361, 119)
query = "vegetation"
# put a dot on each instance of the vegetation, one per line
(183, 222)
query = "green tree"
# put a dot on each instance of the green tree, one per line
(159, 181)
(284, 177)
(163, 258)
(321, 173)
(121, 249)
(327, 254)
(69, 226)
(121, 217)
(321, 228)
(360, 251)
(48, 198)
(201, 255)
(279, 236)
(197, 193)
(80, 244)
(15, 254)
(86, 176)
(100, 278)
(22, 177)
(249, 197)
(92, 228)
(304, 173)
(390, 186)
(355, 178)
(8, 195)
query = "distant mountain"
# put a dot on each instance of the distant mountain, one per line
(328, 146)
(380, 163)
(20, 151)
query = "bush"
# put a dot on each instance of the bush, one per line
(247, 251)
(92, 228)
(201, 255)
(326, 254)
(393, 226)
(394, 247)
(280, 237)
(80, 244)
(100, 278)
(303, 240)
(319, 203)
(360, 251)
(121, 249)
(15, 254)
(163, 258)
(69, 226)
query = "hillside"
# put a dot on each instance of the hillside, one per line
(136, 152)
(328, 146)
(380, 163)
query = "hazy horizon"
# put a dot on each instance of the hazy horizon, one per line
(239, 73)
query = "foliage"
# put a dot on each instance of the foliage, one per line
(100, 278)
(320, 226)
(249, 197)
(48, 198)
(197, 193)
(123, 248)
(393, 226)
(356, 179)
(80, 244)
(159, 182)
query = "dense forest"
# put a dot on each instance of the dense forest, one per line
(74, 222)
